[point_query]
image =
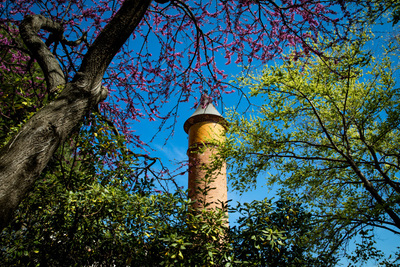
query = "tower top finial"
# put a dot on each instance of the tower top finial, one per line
(205, 112)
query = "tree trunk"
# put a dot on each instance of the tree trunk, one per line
(27, 154)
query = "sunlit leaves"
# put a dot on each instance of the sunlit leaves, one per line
(21, 86)
(327, 131)
(276, 235)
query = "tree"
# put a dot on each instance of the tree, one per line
(76, 70)
(22, 93)
(327, 133)
(256, 244)
(25, 156)
(378, 11)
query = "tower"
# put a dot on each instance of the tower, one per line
(206, 129)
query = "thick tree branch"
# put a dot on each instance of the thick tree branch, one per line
(27, 154)
(374, 193)
(347, 156)
(29, 29)
(113, 36)
(376, 162)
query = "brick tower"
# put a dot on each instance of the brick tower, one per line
(206, 129)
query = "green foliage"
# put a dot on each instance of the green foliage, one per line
(326, 131)
(276, 235)
(82, 213)
(396, 13)
(373, 11)
(22, 92)
(365, 250)
(74, 215)
(201, 240)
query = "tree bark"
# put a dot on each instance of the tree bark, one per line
(27, 154)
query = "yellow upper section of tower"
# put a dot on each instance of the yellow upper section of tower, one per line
(206, 132)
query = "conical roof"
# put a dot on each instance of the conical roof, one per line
(206, 109)
(204, 112)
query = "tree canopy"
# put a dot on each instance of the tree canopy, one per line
(327, 133)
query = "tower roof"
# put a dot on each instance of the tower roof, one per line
(206, 109)
(205, 112)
